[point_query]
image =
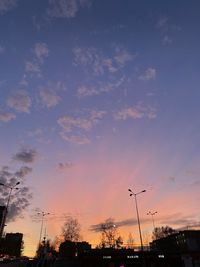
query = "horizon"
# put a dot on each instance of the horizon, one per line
(97, 97)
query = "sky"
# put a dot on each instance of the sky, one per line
(98, 96)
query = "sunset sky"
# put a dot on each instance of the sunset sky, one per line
(98, 96)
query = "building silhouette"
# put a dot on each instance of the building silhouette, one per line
(179, 249)
(12, 244)
(183, 242)
(70, 250)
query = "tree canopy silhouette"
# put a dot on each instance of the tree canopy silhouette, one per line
(163, 231)
(110, 237)
(20, 198)
(71, 230)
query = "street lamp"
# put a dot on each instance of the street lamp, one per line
(8, 202)
(152, 214)
(43, 214)
(138, 218)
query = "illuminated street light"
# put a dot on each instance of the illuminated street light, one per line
(7, 205)
(138, 218)
(152, 214)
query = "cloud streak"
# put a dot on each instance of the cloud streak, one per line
(128, 222)
(6, 116)
(69, 123)
(20, 101)
(66, 165)
(49, 98)
(86, 91)
(23, 171)
(149, 74)
(41, 51)
(6, 5)
(94, 61)
(26, 155)
(66, 8)
(49, 94)
(137, 112)
(72, 125)
(75, 139)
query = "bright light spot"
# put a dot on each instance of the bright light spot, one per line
(107, 257)
(161, 256)
(132, 257)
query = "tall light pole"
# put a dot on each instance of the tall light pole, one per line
(43, 214)
(138, 218)
(152, 214)
(7, 204)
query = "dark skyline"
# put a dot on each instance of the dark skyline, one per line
(96, 97)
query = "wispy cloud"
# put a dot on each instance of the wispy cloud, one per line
(89, 57)
(20, 101)
(137, 112)
(75, 139)
(41, 51)
(162, 22)
(31, 66)
(66, 165)
(166, 40)
(66, 8)
(6, 116)
(26, 155)
(149, 74)
(49, 94)
(123, 56)
(23, 171)
(132, 112)
(6, 5)
(69, 123)
(166, 29)
(127, 222)
(94, 61)
(180, 220)
(49, 98)
(174, 219)
(84, 91)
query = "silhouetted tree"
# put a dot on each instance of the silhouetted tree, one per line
(110, 237)
(163, 231)
(71, 230)
(45, 247)
(130, 241)
(119, 242)
(56, 242)
(21, 198)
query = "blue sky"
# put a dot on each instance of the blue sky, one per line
(96, 97)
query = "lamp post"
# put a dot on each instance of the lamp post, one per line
(43, 214)
(7, 204)
(138, 218)
(152, 214)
